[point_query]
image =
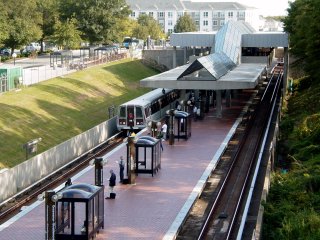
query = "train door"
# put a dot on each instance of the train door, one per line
(139, 116)
(130, 116)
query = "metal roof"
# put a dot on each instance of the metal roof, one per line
(244, 76)
(196, 39)
(265, 39)
(167, 5)
(220, 70)
(147, 5)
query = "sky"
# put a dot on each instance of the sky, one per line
(266, 7)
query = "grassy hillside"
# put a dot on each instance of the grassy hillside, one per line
(61, 108)
(292, 210)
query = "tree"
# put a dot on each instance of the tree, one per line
(125, 28)
(4, 27)
(96, 19)
(23, 20)
(66, 35)
(49, 14)
(147, 26)
(185, 24)
(302, 25)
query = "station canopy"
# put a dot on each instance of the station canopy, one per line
(214, 70)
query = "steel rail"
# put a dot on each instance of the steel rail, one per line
(33, 193)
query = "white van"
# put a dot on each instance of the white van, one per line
(34, 46)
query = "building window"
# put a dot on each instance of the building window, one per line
(221, 22)
(142, 13)
(221, 14)
(160, 14)
(205, 14)
(170, 23)
(133, 14)
(161, 22)
(215, 23)
(230, 14)
(170, 14)
(197, 22)
(151, 14)
(180, 14)
(215, 14)
(205, 23)
(170, 31)
(242, 14)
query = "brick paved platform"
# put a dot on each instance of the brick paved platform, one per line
(154, 207)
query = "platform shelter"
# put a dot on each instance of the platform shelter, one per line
(80, 212)
(148, 155)
(182, 128)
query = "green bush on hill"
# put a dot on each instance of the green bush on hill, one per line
(292, 210)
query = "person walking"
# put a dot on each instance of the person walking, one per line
(121, 168)
(164, 131)
(112, 183)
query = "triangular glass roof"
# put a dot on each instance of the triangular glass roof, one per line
(217, 64)
(227, 51)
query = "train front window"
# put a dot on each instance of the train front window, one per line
(139, 112)
(122, 112)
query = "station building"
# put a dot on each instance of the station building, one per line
(236, 57)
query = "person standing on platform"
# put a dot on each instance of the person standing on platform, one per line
(121, 168)
(112, 183)
(195, 110)
(68, 183)
(164, 131)
(160, 137)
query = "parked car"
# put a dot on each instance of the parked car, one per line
(34, 46)
(5, 52)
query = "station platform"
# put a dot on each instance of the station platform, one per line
(155, 206)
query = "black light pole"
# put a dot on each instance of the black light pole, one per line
(171, 113)
(98, 172)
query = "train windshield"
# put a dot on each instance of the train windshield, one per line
(122, 112)
(139, 112)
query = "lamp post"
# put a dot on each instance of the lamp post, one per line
(31, 146)
(50, 197)
(98, 164)
(14, 55)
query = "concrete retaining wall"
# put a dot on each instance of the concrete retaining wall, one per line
(29, 172)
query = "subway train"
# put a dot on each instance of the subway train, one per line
(137, 113)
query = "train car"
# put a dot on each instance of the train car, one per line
(151, 106)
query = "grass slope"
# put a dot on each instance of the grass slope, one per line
(61, 108)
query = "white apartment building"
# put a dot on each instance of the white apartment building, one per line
(208, 16)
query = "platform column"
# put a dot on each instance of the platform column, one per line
(174, 57)
(185, 55)
(98, 171)
(131, 159)
(219, 104)
(50, 214)
(228, 98)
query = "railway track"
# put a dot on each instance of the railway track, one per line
(13, 205)
(215, 214)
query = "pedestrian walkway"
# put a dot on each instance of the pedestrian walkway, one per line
(154, 207)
